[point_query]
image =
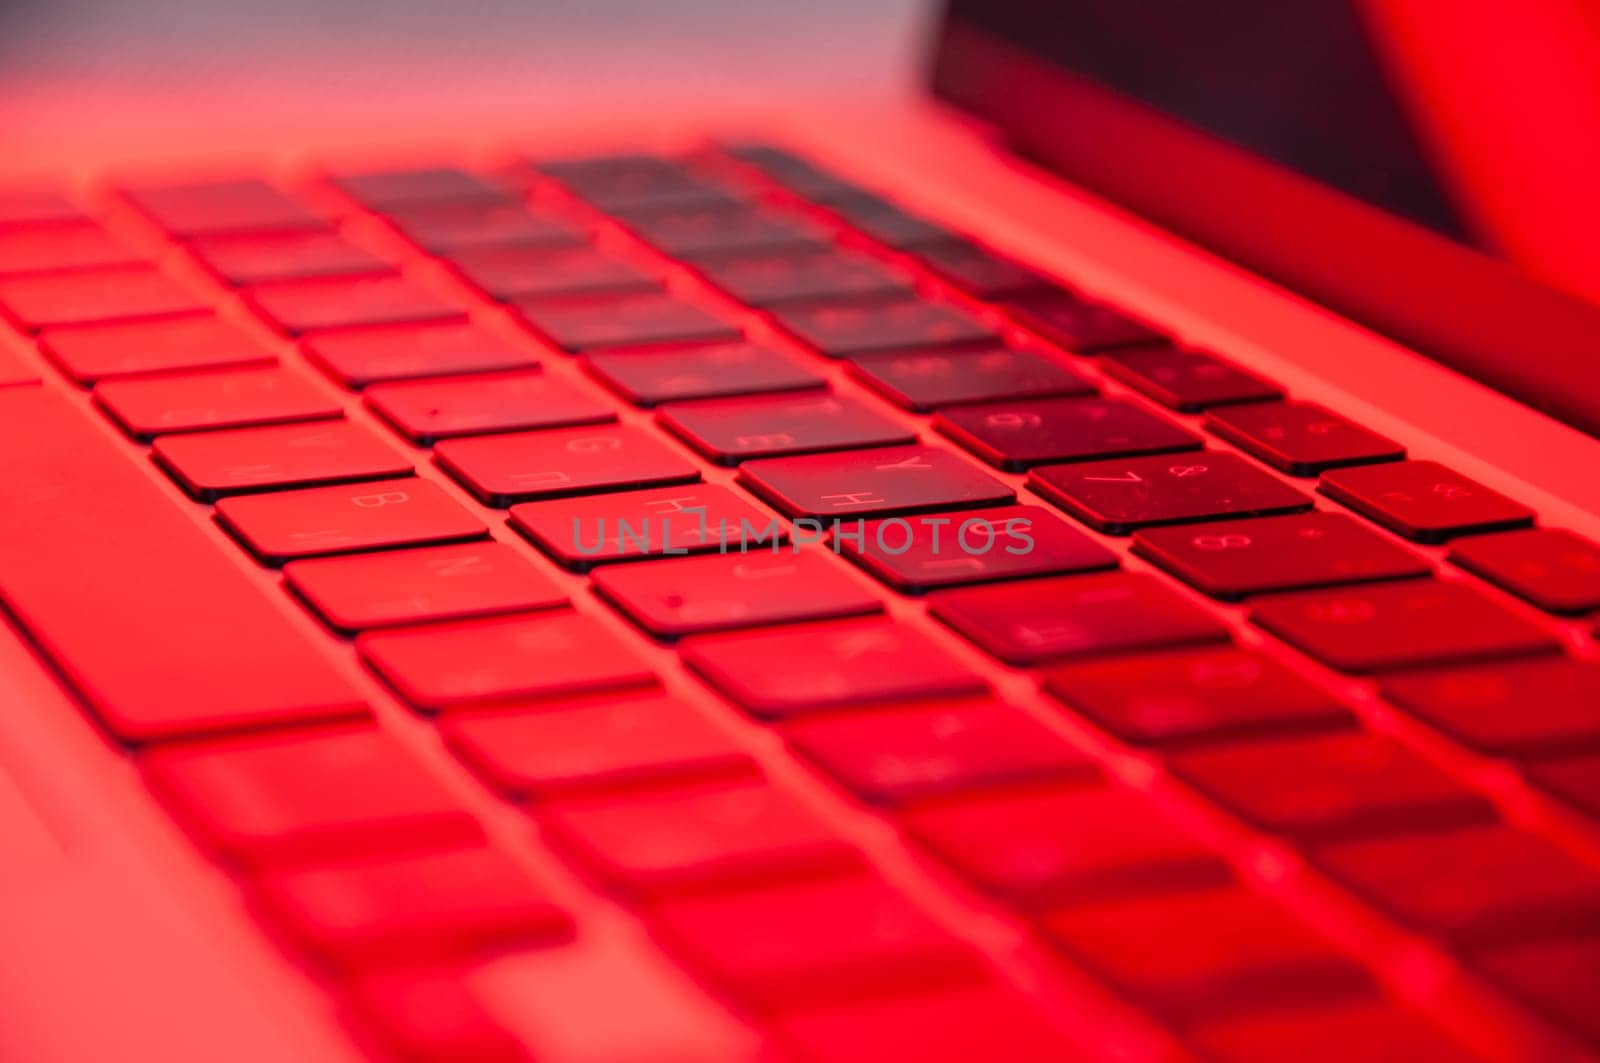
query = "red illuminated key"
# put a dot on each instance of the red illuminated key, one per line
(285, 525)
(362, 356)
(1576, 780)
(1412, 623)
(899, 754)
(1230, 559)
(446, 228)
(506, 273)
(929, 381)
(1552, 568)
(1423, 500)
(573, 461)
(692, 837)
(267, 800)
(1540, 706)
(1071, 616)
(648, 378)
(222, 207)
(887, 223)
(706, 233)
(135, 348)
(1077, 324)
(1118, 496)
(845, 329)
(1559, 977)
(1192, 696)
(1300, 437)
(426, 410)
(62, 249)
(787, 672)
(212, 464)
(979, 271)
(627, 321)
(260, 257)
(773, 278)
(26, 207)
(729, 431)
(151, 406)
(693, 518)
(1186, 380)
(499, 659)
(416, 586)
(1017, 435)
(312, 305)
(41, 302)
(398, 189)
(868, 483)
(430, 1014)
(1364, 1028)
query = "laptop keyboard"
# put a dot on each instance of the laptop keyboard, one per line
(1238, 651)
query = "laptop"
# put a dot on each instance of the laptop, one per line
(1095, 561)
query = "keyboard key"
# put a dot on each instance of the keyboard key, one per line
(1077, 324)
(843, 330)
(101, 297)
(631, 321)
(769, 279)
(669, 521)
(312, 305)
(1423, 500)
(888, 224)
(1186, 380)
(398, 587)
(718, 592)
(729, 431)
(135, 348)
(27, 207)
(427, 410)
(641, 190)
(1537, 707)
(1332, 1032)
(448, 228)
(706, 233)
(787, 672)
(429, 1015)
(212, 464)
(263, 257)
(1301, 438)
(1554, 569)
(1558, 976)
(401, 189)
(1117, 497)
(1187, 697)
(62, 249)
(364, 356)
(214, 207)
(651, 378)
(622, 169)
(266, 799)
(315, 521)
(611, 743)
(874, 482)
(978, 271)
(514, 272)
(973, 546)
(1235, 558)
(503, 658)
(925, 382)
(896, 755)
(1031, 621)
(150, 406)
(1018, 435)
(503, 469)
(1398, 625)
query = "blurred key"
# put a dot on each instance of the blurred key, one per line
(315, 521)
(842, 330)
(506, 273)
(668, 521)
(624, 169)
(769, 279)
(1575, 780)
(873, 482)
(649, 378)
(132, 294)
(260, 257)
(1018, 435)
(150, 406)
(555, 463)
(887, 223)
(1119, 496)
(729, 431)
(1369, 1028)
(27, 207)
(925, 382)
(695, 234)
(1558, 976)
(1077, 324)
(211, 208)
(978, 271)
(135, 348)
(429, 1014)
(359, 357)
(427, 410)
(1186, 380)
(388, 190)
(1423, 500)
(644, 189)
(61, 249)
(1538, 707)
(1553, 568)
(212, 464)
(629, 321)
(1300, 437)
(333, 303)
(447, 228)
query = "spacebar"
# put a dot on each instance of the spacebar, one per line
(161, 633)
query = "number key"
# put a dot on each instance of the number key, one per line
(1118, 496)
(1423, 500)
(1301, 438)
(1552, 568)
(339, 520)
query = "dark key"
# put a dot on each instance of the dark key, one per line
(1300, 437)
(212, 464)
(917, 554)
(101, 297)
(150, 406)
(318, 521)
(846, 329)
(629, 321)
(426, 410)
(1032, 621)
(1544, 706)
(1413, 623)
(1555, 569)
(795, 174)
(696, 234)
(447, 228)
(1558, 976)
(665, 522)
(62, 249)
(1575, 780)
(929, 381)
(1342, 784)
(507, 273)
(1118, 496)
(360, 357)
(1212, 693)
(312, 305)
(256, 258)
(136, 348)
(212, 208)
(27, 207)
(729, 431)
(1077, 324)
(872, 482)
(1186, 380)
(1231, 559)
(769, 279)
(642, 194)
(887, 223)
(649, 378)
(400, 189)
(1018, 435)
(979, 271)
(1423, 500)
(589, 171)
(516, 467)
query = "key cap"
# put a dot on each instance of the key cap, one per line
(317, 521)
(1189, 381)
(151, 406)
(896, 755)
(1028, 622)
(1078, 324)
(360, 357)
(608, 743)
(1018, 435)
(1183, 697)
(689, 838)
(1409, 624)
(783, 673)
(720, 592)
(512, 272)
(625, 169)
(1363, 1028)
(769, 279)
(930, 381)
(1575, 780)
(1537, 707)
(729, 431)
(1301, 438)
(843, 330)
(100, 297)
(400, 189)
(136, 348)
(398, 587)
(26, 207)
(630, 321)
(645, 190)
(212, 464)
(1423, 500)
(918, 554)
(214, 207)
(1117, 497)
(430, 1014)
(262, 257)
(1559, 977)
(266, 799)
(448, 228)
(870, 483)
(476, 661)
(295, 307)
(553, 464)
(696, 234)
(428, 410)
(698, 518)
(1041, 847)
(381, 911)
(1235, 558)
(888, 224)
(160, 632)
(1555, 569)
(62, 249)
(978, 271)
(802, 179)
(651, 378)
